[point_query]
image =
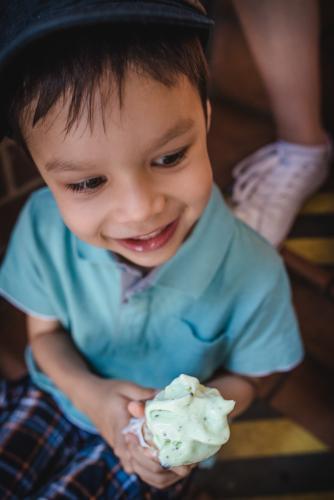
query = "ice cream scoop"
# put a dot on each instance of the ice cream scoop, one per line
(187, 422)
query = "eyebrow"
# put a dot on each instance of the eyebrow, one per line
(180, 128)
(65, 165)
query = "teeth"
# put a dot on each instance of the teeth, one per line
(150, 235)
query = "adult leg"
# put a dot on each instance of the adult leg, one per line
(283, 36)
(271, 185)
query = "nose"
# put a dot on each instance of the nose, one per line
(137, 200)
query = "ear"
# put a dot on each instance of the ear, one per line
(208, 114)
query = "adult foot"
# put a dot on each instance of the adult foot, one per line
(273, 183)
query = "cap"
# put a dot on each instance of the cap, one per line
(25, 21)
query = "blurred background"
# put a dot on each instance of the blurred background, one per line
(283, 447)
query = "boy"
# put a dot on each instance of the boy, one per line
(129, 266)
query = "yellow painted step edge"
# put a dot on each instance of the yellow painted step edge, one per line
(321, 203)
(317, 250)
(269, 437)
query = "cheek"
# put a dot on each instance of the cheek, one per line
(83, 219)
(199, 184)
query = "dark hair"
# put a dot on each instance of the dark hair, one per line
(74, 62)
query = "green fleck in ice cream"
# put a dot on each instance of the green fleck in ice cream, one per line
(187, 421)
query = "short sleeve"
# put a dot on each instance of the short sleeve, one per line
(268, 340)
(21, 273)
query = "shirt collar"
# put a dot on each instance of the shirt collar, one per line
(91, 253)
(204, 249)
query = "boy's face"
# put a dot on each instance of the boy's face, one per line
(137, 183)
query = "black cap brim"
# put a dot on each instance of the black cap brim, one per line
(33, 25)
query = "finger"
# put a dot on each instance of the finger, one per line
(136, 409)
(131, 439)
(134, 444)
(183, 470)
(125, 460)
(127, 466)
(149, 457)
(161, 479)
(123, 453)
(126, 463)
(146, 458)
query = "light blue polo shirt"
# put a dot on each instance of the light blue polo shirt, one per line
(222, 301)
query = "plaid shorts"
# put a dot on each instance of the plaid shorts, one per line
(44, 456)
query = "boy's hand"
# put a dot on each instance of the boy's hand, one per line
(110, 414)
(146, 464)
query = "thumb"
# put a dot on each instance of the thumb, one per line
(136, 409)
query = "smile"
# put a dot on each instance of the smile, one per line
(152, 234)
(150, 241)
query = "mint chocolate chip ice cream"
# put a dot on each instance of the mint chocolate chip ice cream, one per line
(187, 422)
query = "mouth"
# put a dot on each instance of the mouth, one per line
(150, 241)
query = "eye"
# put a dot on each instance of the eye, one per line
(171, 160)
(87, 185)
